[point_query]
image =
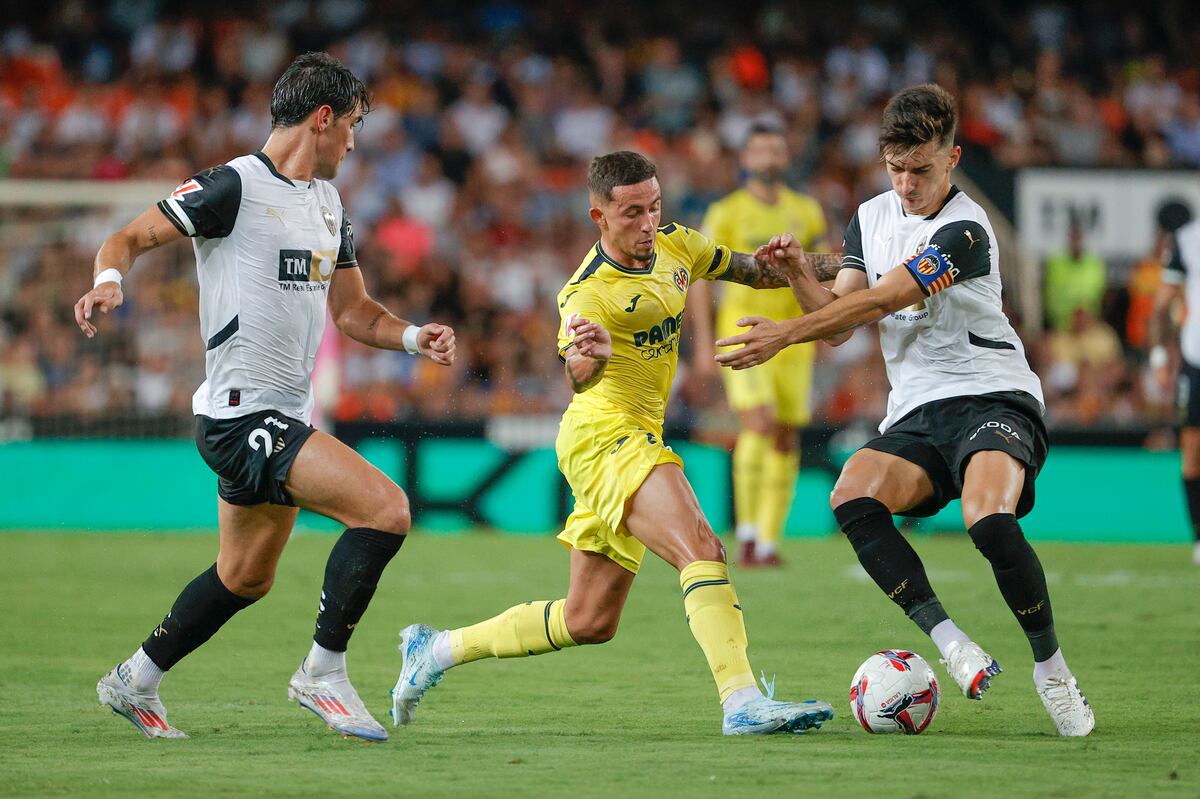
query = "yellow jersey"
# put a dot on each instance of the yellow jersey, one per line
(643, 311)
(742, 222)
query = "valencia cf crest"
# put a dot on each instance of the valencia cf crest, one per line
(681, 279)
(927, 266)
(330, 222)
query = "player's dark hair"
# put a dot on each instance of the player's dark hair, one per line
(763, 128)
(622, 168)
(313, 80)
(915, 116)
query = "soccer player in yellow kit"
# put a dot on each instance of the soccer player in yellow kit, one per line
(772, 399)
(619, 341)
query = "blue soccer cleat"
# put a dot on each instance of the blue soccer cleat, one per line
(419, 673)
(764, 715)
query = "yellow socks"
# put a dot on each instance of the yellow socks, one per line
(748, 455)
(779, 470)
(715, 617)
(531, 629)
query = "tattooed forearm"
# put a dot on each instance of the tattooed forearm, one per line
(744, 269)
(374, 322)
(152, 234)
(825, 265)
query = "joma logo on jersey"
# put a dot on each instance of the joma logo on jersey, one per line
(296, 266)
(659, 333)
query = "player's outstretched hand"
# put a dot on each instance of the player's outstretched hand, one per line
(785, 252)
(436, 342)
(762, 342)
(590, 338)
(105, 297)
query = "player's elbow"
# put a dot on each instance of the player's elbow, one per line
(839, 339)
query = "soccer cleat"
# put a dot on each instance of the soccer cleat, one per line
(764, 715)
(419, 673)
(144, 711)
(746, 556)
(333, 700)
(1067, 706)
(972, 668)
(771, 561)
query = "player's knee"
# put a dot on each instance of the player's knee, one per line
(392, 514)
(595, 630)
(999, 538)
(250, 583)
(844, 492)
(981, 504)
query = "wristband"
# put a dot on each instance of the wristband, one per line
(1158, 356)
(410, 339)
(109, 275)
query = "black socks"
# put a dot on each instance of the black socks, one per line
(1020, 577)
(890, 560)
(351, 574)
(201, 608)
(1191, 489)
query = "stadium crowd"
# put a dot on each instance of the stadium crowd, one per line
(466, 187)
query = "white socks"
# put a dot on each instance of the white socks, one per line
(764, 548)
(1055, 664)
(739, 698)
(144, 676)
(947, 637)
(746, 532)
(322, 661)
(442, 653)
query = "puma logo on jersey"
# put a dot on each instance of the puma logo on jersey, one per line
(277, 214)
(633, 303)
(971, 239)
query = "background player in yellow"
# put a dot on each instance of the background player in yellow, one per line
(619, 341)
(772, 399)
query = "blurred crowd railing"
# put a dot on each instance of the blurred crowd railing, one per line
(466, 188)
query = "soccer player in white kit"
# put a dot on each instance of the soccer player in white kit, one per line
(964, 414)
(1181, 282)
(274, 251)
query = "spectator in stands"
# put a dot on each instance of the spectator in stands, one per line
(1074, 280)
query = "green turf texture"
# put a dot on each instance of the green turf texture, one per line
(635, 717)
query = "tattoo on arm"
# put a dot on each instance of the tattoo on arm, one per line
(153, 236)
(371, 325)
(825, 265)
(744, 269)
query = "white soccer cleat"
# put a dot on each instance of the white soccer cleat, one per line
(764, 715)
(144, 711)
(1067, 705)
(333, 699)
(972, 668)
(419, 673)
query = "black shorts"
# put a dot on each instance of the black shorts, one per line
(1187, 394)
(251, 454)
(941, 436)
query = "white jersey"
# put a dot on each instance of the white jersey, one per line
(957, 342)
(266, 249)
(1183, 269)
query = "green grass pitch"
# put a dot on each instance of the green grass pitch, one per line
(635, 717)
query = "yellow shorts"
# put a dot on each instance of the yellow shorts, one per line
(783, 383)
(605, 458)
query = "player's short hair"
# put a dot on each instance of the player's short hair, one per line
(313, 80)
(622, 168)
(917, 115)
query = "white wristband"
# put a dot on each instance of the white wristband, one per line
(1158, 356)
(109, 275)
(410, 339)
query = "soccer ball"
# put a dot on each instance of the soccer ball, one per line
(894, 691)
